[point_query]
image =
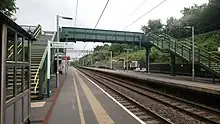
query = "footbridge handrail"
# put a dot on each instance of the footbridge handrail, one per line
(183, 49)
(187, 44)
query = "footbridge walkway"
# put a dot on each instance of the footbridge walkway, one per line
(163, 42)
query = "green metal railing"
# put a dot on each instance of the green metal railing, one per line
(188, 43)
(183, 49)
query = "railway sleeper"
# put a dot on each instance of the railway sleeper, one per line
(152, 122)
(133, 110)
(140, 114)
(131, 107)
(146, 118)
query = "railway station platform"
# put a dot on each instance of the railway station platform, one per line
(80, 101)
(195, 86)
(182, 77)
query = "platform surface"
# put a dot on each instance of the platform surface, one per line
(204, 87)
(81, 102)
(40, 108)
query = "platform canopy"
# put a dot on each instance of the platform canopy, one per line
(72, 34)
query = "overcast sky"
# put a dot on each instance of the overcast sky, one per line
(117, 15)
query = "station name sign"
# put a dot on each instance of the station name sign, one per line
(67, 45)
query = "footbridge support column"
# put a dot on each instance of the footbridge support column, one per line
(148, 49)
(173, 63)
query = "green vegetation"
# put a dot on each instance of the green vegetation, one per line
(8, 7)
(205, 18)
(209, 41)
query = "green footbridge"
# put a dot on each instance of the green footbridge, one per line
(163, 42)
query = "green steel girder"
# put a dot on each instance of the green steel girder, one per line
(97, 35)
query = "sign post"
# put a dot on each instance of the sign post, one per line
(48, 68)
(50, 44)
(64, 45)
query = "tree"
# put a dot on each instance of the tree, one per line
(8, 7)
(174, 28)
(145, 29)
(155, 25)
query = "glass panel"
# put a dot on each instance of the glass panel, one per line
(10, 44)
(26, 51)
(80, 30)
(19, 79)
(19, 49)
(26, 78)
(9, 82)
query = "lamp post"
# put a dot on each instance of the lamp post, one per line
(91, 58)
(193, 50)
(123, 62)
(57, 50)
(65, 65)
(127, 57)
(111, 59)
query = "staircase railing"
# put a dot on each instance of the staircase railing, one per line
(184, 49)
(37, 31)
(41, 72)
(188, 43)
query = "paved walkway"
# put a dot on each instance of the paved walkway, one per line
(80, 101)
(40, 108)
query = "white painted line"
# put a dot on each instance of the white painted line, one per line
(73, 98)
(99, 112)
(73, 105)
(78, 101)
(37, 104)
(133, 115)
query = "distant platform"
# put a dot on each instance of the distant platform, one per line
(169, 80)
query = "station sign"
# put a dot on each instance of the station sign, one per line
(66, 57)
(67, 45)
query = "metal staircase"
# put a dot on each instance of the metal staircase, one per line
(183, 49)
(39, 66)
(37, 53)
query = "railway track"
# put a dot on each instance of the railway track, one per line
(197, 111)
(145, 114)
